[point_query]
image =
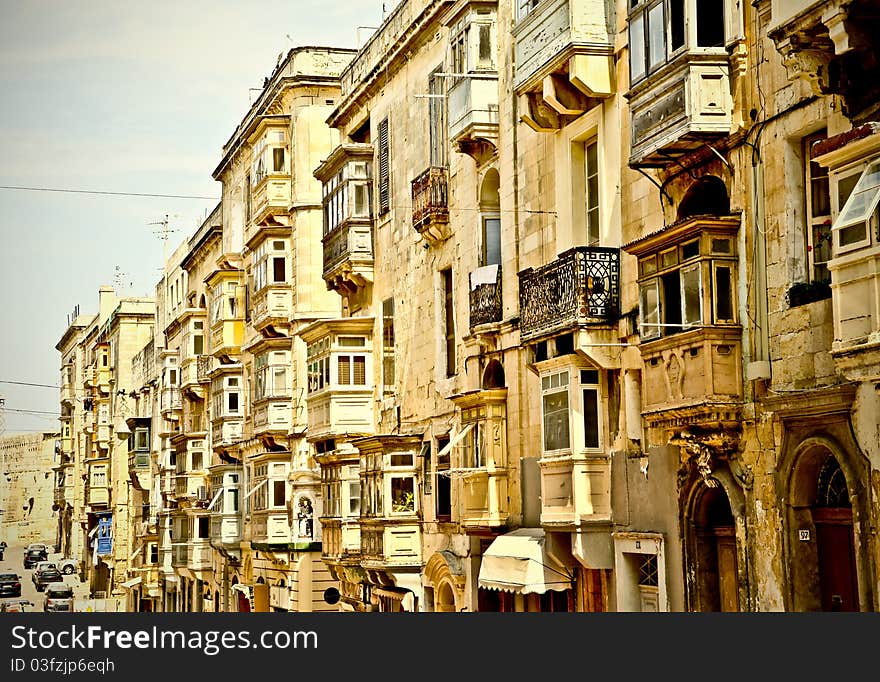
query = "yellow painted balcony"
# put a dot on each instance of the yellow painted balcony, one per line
(226, 431)
(270, 527)
(98, 495)
(340, 539)
(226, 337)
(272, 414)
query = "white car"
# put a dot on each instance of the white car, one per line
(67, 566)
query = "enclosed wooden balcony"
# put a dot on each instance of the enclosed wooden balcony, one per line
(270, 527)
(271, 304)
(575, 489)
(270, 197)
(580, 288)
(341, 539)
(473, 114)
(481, 471)
(386, 545)
(348, 256)
(564, 63)
(430, 200)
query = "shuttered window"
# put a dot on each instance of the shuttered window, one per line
(384, 177)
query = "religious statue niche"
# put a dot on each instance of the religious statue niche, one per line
(305, 518)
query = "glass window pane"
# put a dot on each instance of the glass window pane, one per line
(591, 418)
(492, 241)
(556, 432)
(863, 200)
(691, 294)
(637, 47)
(710, 23)
(403, 494)
(723, 294)
(279, 491)
(650, 309)
(676, 24)
(656, 36)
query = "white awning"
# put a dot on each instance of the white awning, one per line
(518, 562)
(128, 584)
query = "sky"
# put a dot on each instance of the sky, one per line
(120, 97)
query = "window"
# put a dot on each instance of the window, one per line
(153, 552)
(99, 476)
(443, 498)
(591, 192)
(403, 495)
(474, 447)
(351, 370)
(437, 128)
(427, 475)
(448, 321)
(270, 374)
(689, 285)
(270, 152)
(526, 6)
(270, 264)
(554, 399)
(591, 400)
(348, 194)
(384, 164)
(660, 29)
(279, 493)
(318, 359)
(818, 211)
(225, 394)
(858, 214)
(491, 245)
(141, 439)
(203, 527)
(388, 342)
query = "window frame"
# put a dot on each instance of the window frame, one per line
(549, 390)
(869, 217)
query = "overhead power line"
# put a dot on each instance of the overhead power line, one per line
(33, 412)
(116, 194)
(26, 383)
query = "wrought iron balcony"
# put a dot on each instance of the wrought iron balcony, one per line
(582, 286)
(205, 365)
(431, 203)
(485, 295)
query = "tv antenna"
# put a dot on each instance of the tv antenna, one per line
(2, 414)
(162, 230)
(119, 280)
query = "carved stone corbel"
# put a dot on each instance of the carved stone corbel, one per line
(705, 450)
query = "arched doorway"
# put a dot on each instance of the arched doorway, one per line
(713, 554)
(707, 196)
(821, 534)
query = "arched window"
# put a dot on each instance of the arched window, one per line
(831, 485)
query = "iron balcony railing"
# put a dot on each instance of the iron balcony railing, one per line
(430, 197)
(485, 295)
(581, 286)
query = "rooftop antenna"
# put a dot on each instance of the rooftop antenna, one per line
(119, 280)
(162, 231)
(2, 414)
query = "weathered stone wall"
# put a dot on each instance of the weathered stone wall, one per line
(27, 488)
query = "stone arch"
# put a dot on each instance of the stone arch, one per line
(715, 542)
(706, 196)
(443, 571)
(827, 550)
(493, 375)
(490, 199)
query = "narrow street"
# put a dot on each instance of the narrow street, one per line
(13, 561)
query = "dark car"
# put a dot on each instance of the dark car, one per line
(34, 556)
(10, 585)
(46, 572)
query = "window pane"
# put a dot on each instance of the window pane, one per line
(556, 435)
(676, 24)
(484, 50)
(279, 491)
(278, 270)
(670, 310)
(360, 370)
(354, 498)
(491, 241)
(198, 345)
(723, 295)
(233, 403)
(591, 418)
(650, 309)
(637, 48)
(403, 494)
(852, 234)
(656, 36)
(344, 370)
(691, 292)
(278, 159)
(710, 23)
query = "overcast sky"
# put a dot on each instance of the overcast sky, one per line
(120, 97)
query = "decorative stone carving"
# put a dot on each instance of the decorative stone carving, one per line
(704, 450)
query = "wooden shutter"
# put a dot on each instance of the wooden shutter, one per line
(384, 168)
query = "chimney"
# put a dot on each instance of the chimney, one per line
(106, 302)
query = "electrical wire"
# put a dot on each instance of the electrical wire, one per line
(108, 193)
(26, 383)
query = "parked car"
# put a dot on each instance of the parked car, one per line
(59, 597)
(33, 556)
(68, 566)
(14, 605)
(10, 585)
(46, 572)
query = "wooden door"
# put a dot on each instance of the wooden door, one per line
(725, 545)
(837, 567)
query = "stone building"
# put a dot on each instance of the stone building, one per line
(26, 490)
